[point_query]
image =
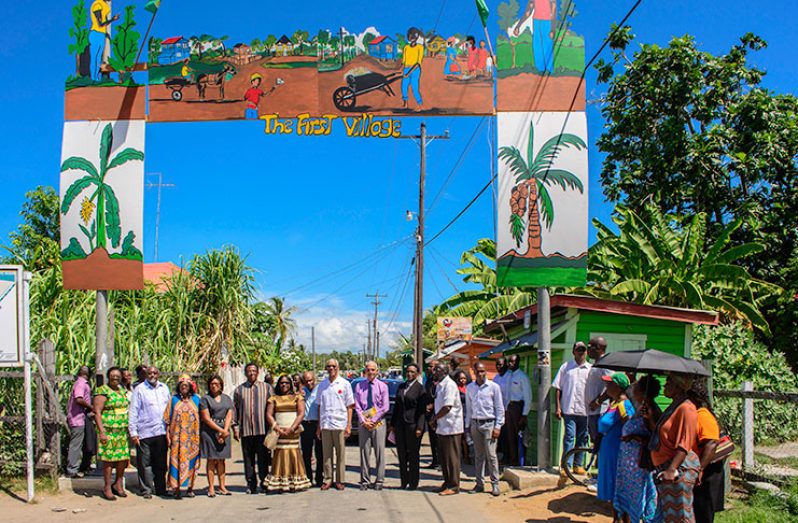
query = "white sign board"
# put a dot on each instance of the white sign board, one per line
(11, 316)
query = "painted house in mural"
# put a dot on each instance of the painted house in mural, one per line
(625, 326)
(283, 47)
(383, 48)
(174, 50)
(435, 46)
(242, 54)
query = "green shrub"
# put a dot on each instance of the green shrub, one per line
(738, 358)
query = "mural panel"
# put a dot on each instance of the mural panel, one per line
(543, 201)
(205, 78)
(539, 57)
(405, 71)
(102, 197)
(105, 44)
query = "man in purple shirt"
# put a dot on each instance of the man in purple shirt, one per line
(78, 405)
(371, 404)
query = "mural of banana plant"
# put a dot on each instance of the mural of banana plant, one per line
(99, 209)
(530, 201)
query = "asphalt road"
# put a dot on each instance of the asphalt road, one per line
(350, 506)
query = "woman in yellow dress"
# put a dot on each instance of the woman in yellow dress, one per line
(285, 412)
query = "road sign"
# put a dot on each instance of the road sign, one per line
(11, 316)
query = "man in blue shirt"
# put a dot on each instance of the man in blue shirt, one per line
(148, 432)
(308, 438)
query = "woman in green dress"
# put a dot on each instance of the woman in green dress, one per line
(110, 413)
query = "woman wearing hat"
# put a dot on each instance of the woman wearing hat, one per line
(610, 425)
(182, 420)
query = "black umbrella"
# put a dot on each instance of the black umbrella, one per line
(650, 361)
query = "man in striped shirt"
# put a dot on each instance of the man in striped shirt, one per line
(250, 426)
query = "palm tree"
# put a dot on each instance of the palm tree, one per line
(107, 204)
(489, 301)
(530, 194)
(283, 324)
(652, 260)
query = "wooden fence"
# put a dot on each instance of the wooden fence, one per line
(748, 395)
(49, 412)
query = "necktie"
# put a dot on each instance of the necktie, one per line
(370, 400)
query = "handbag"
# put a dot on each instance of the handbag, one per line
(644, 462)
(724, 449)
(270, 441)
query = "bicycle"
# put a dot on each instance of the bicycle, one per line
(591, 455)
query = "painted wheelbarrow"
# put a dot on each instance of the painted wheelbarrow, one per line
(360, 82)
(176, 85)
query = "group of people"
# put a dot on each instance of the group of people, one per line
(652, 465)
(284, 429)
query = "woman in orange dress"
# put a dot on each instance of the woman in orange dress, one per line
(182, 420)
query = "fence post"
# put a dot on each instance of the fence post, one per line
(52, 435)
(748, 428)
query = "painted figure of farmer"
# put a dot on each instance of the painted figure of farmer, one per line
(412, 56)
(252, 96)
(543, 13)
(101, 21)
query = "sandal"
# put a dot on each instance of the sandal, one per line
(107, 497)
(211, 494)
(121, 493)
(189, 493)
(225, 493)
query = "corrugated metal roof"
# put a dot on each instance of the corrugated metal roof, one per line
(172, 40)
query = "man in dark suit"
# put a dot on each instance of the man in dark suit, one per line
(429, 386)
(407, 423)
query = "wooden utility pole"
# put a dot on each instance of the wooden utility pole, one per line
(376, 303)
(422, 139)
(368, 339)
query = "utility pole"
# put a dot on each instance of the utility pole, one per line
(422, 139)
(158, 207)
(313, 347)
(368, 343)
(376, 331)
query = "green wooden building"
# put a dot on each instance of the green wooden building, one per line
(625, 326)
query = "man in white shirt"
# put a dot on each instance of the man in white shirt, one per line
(519, 402)
(148, 432)
(336, 402)
(484, 417)
(500, 379)
(448, 422)
(571, 406)
(596, 399)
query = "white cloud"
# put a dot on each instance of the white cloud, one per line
(341, 328)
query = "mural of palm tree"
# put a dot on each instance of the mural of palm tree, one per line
(108, 219)
(530, 195)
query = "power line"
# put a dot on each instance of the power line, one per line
(463, 211)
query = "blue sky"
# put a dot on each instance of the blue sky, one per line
(302, 208)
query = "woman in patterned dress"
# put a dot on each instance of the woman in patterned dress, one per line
(610, 425)
(673, 439)
(285, 412)
(182, 420)
(110, 413)
(635, 493)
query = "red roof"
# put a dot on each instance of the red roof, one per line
(590, 303)
(378, 40)
(159, 273)
(172, 40)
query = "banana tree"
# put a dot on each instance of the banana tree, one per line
(103, 196)
(530, 195)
